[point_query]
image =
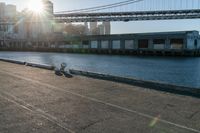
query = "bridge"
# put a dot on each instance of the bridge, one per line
(134, 10)
(130, 10)
(128, 16)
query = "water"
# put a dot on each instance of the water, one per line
(175, 70)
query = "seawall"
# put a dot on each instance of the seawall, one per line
(126, 80)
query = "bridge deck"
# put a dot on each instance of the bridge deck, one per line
(128, 16)
(116, 16)
(35, 100)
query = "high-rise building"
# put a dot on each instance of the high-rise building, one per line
(33, 26)
(7, 12)
(2, 13)
(93, 25)
(93, 28)
(42, 25)
(101, 29)
(86, 28)
(2, 10)
(10, 11)
(48, 6)
(107, 28)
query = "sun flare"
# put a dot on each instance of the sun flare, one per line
(36, 6)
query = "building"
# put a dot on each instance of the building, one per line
(25, 26)
(2, 13)
(10, 11)
(34, 26)
(2, 10)
(101, 29)
(47, 25)
(86, 28)
(161, 43)
(107, 28)
(48, 6)
(93, 28)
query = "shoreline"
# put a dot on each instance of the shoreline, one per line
(136, 52)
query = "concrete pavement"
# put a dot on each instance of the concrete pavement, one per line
(36, 100)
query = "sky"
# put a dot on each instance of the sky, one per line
(135, 26)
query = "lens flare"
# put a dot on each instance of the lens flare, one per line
(36, 6)
(154, 121)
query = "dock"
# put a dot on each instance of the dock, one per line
(36, 100)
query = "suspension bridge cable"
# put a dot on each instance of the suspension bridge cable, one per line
(102, 7)
(115, 6)
(91, 8)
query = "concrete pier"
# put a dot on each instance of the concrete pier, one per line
(36, 100)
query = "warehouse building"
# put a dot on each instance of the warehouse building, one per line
(180, 42)
(150, 41)
(160, 43)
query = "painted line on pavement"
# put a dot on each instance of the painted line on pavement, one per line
(100, 101)
(19, 102)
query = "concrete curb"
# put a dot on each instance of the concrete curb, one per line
(12, 61)
(142, 83)
(195, 92)
(42, 66)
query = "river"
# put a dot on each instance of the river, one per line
(183, 71)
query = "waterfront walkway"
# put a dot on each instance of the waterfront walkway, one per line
(36, 100)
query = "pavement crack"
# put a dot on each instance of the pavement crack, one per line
(94, 99)
(94, 123)
(193, 114)
(178, 113)
(19, 102)
(168, 105)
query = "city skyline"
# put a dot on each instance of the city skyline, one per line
(119, 27)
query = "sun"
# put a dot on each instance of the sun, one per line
(36, 6)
